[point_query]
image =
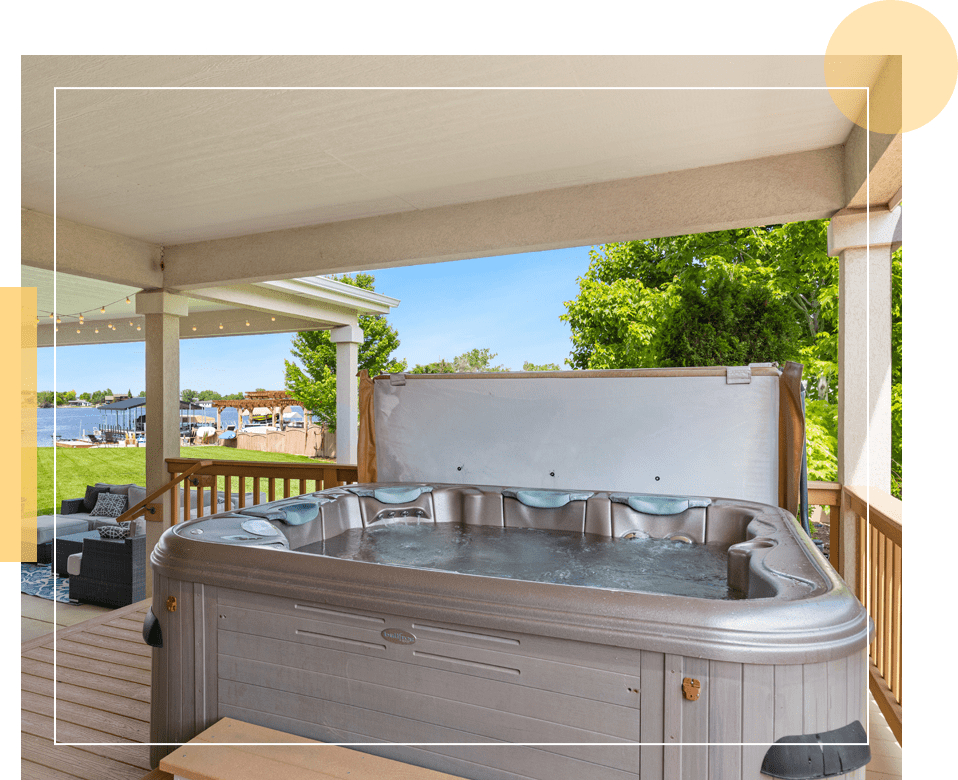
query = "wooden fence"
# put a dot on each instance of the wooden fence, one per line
(250, 482)
(877, 581)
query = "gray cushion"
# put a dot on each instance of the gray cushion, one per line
(109, 505)
(73, 564)
(135, 496)
(62, 525)
(92, 491)
(112, 532)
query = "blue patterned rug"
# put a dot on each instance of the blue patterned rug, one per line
(36, 579)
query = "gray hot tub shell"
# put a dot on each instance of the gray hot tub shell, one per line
(593, 683)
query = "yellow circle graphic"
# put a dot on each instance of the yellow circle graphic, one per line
(903, 54)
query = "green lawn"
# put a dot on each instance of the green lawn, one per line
(75, 469)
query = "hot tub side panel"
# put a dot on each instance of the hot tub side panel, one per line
(326, 672)
(184, 679)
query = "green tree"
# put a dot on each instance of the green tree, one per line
(209, 395)
(473, 361)
(527, 366)
(188, 396)
(312, 381)
(896, 403)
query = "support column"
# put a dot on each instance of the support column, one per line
(864, 248)
(347, 340)
(162, 311)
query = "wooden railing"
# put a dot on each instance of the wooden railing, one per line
(876, 580)
(249, 482)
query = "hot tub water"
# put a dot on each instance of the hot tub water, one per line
(638, 564)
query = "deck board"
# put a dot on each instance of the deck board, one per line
(105, 699)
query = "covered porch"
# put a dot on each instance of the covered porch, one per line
(445, 185)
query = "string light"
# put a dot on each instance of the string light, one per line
(103, 310)
(221, 326)
(194, 328)
(127, 298)
(247, 323)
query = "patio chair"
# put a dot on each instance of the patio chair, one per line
(109, 571)
(92, 437)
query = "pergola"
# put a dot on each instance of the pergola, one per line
(274, 401)
(235, 181)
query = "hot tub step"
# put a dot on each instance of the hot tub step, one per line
(293, 758)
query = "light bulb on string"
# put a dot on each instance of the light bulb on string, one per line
(103, 310)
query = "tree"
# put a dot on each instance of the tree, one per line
(188, 396)
(473, 361)
(527, 366)
(725, 298)
(312, 381)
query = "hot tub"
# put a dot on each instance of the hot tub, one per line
(255, 617)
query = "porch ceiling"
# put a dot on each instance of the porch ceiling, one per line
(198, 171)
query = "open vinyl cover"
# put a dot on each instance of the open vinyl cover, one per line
(713, 431)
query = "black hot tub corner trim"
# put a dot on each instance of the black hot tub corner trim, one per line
(152, 634)
(808, 756)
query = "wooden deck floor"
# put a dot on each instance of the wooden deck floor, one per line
(103, 695)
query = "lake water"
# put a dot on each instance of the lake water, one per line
(75, 423)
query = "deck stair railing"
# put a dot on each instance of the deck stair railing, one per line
(248, 482)
(147, 504)
(877, 580)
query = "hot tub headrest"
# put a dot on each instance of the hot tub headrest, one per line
(298, 513)
(545, 499)
(659, 505)
(392, 495)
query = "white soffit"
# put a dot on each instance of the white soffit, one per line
(171, 166)
(320, 301)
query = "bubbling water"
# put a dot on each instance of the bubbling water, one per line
(533, 555)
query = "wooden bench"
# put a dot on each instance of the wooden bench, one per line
(227, 750)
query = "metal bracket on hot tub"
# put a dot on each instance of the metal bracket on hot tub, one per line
(826, 754)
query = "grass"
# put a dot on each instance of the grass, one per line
(75, 469)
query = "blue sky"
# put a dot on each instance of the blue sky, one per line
(510, 305)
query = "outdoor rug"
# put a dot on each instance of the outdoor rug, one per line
(36, 579)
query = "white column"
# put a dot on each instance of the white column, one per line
(162, 311)
(864, 248)
(347, 340)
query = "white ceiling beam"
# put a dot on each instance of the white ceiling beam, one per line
(87, 251)
(799, 186)
(268, 302)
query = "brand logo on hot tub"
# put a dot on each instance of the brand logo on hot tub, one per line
(398, 637)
